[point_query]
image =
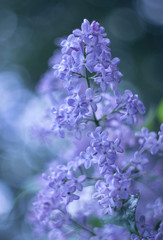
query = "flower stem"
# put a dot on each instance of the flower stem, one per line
(81, 226)
(88, 83)
(126, 167)
(95, 120)
(87, 78)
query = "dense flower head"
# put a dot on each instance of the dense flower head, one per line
(113, 190)
(60, 189)
(86, 70)
(130, 106)
(101, 177)
(101, 151)
(88, 50)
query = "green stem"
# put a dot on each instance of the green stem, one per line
(157, 225)
(82, 76)
(87, 78)
(88, 119)
(81, 226)
(92, 120)
(126, 167)
(103, 117)
(136, 230)
(95, 179)
(88, 83)
(95, 120)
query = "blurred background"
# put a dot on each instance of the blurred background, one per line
(28, 31)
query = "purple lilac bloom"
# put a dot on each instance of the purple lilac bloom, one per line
(70, 114)
(86, 58)
(110, 232)
(115, 188)
(130, 106)
(102, 151)
(155, 210)
(149, 141)
(89, 157)
(147, 232)
(92, 100)
(86, 49)
(100, 177)
(60, 189)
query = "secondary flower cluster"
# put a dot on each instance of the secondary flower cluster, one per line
(148, 140)
(100, 176)
(61, 187)
(146, 231)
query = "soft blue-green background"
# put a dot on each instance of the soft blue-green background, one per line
(27, 32)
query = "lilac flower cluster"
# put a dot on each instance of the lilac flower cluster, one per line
(86, 60)
(112, 191)
(116, 184)
(110, 160)
(148, 140)
(110, 233)
(70, 114)
(155, 210)
(88, 50)
(146, 231)
(60, 189)
(130, 106)
(102, 151)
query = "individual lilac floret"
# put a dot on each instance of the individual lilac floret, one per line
(98, 138)
(89, 157)
(92, 100)
(78, 105)
(69, 195)
(129, 106)
(144, 229)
